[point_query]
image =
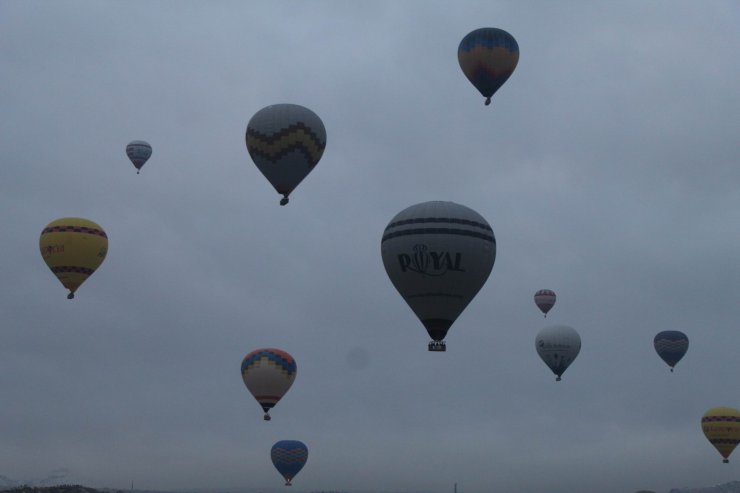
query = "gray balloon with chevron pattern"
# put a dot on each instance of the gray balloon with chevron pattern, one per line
(285, 141)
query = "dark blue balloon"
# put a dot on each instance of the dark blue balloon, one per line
(671, 345)
(488, 57)
(289, 457)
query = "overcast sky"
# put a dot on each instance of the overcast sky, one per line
(607, 167)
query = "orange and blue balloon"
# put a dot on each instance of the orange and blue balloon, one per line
(289, 457)
(671, 346)
(488, 57)
(268, 373)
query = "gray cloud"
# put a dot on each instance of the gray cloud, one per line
(607, 166)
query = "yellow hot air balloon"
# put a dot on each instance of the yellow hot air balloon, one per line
(73, 248)
(721, 426)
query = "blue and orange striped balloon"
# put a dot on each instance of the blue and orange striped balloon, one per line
(488, 57)
(268, 373)
(289, 457)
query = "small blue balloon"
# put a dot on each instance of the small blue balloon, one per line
(289, 457)
(671, 346)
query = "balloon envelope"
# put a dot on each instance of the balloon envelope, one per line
(285, 141)
(289, 457)
(558, 346)
(545, 300)
(671, 346)
(721, 426)
(438, 255)
(268, 373)
(488, 57)
(138, 152)
(73, 248)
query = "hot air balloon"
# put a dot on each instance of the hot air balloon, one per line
(73, 248)
(285, 141)
(558, 346)
(671, 345)
(438, 255)
(289, 457)
(545, 300)
(268, 374)
(138, 152)
(488, 56)
(721, 426)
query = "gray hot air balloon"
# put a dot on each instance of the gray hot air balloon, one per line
(438, 255)
(545, 300)
(558, 346)
(285, 141)
(138, 152)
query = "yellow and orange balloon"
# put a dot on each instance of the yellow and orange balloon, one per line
(721, 426)
(73, 248)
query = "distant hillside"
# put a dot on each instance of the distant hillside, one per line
(62, 488)
(7, 483)
(731, 487)
(61, 476)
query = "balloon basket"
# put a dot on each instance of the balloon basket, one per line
(437, 346)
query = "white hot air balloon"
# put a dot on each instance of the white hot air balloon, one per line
(438, 255)
(268, 373)
(139, 153)
(558, 346)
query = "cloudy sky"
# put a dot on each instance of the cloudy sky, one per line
(607, 166)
